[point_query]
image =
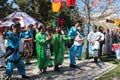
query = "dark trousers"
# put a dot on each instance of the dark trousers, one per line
(100, 50)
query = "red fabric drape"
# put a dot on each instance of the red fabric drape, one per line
(70, 3)
(61, 21)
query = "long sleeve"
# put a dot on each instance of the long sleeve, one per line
(39, 39)
(66, 38)
(72, 32)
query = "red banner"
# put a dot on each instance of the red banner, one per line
(70, 3)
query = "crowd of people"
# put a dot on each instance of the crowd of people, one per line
(40, 41)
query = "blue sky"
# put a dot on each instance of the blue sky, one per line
(80, 4)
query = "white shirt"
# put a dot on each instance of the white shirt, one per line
(76, 43)
(94, 36)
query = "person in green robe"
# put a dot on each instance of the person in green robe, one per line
(59, 39)
(42, 49)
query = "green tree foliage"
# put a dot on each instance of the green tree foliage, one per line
(5, 8)
(41, 10)
(24, 5)
(65, 13)
(70, 15)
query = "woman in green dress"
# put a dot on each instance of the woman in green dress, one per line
(43, 54)
(59, 39)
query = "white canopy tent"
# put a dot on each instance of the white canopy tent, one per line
(23, 18)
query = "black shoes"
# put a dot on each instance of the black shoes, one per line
(44, 70)
(56, 68)
(2, 67)
(25, 77)
(96, 59)
(28, 63)
(73, 66)
(79, 59)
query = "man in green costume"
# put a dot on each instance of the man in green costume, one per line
(43, 56)
(59, 47)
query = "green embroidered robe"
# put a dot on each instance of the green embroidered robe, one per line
(59, 48)
(43, 58)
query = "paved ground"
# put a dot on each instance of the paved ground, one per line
(87, 71)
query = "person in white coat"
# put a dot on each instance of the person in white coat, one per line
(95, 37)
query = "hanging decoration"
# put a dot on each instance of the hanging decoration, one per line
(70, 3)
(117, 22)
(56, 0)
(56, 5)
(60, 21)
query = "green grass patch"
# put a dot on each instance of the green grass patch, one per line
(113, 73)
